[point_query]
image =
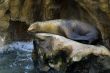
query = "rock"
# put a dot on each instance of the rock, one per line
(59, 52)
(4, 19)
(21, 10)
(4, 6)
(4, 23)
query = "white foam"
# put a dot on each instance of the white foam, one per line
(23, 46)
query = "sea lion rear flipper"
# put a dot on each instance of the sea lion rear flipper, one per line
(79, 38)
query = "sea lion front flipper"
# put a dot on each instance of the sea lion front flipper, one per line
(66, 30)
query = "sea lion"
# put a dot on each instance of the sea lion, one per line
(72, 29)
(58, 52)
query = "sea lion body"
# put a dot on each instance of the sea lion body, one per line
(71, 29)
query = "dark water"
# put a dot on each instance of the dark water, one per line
(16, 58)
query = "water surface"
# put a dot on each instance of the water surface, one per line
(16, 58)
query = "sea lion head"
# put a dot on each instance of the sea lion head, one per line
(35, 27)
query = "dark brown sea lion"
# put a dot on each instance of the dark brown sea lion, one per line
(72, 29)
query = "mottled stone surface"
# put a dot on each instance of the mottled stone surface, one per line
(58, 52)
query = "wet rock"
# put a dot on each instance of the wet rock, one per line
(58, 52)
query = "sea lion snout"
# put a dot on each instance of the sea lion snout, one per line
(31, 29)
(34, 27)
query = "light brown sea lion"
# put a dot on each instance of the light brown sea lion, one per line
(72, 29)
(59, 51)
